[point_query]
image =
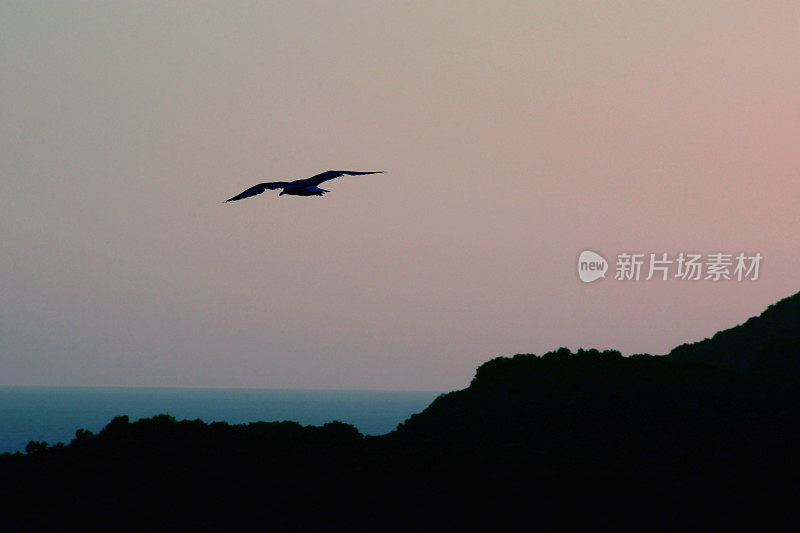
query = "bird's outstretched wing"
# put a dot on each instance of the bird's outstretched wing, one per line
(258, 189)
(329, 175)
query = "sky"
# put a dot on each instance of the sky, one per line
(514, 136)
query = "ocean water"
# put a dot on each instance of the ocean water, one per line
(53, 414)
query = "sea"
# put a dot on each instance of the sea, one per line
(53, 414)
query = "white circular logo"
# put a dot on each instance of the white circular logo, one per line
(591, 266)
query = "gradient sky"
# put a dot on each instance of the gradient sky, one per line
(514, 136)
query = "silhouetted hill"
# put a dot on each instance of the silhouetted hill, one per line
(594, 414)
(586, 439)
(754, 345)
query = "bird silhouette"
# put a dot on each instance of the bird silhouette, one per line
(306, 187)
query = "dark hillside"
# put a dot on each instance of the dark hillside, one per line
(559, 440)
(750, 345)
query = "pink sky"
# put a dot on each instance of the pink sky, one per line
(513, 138)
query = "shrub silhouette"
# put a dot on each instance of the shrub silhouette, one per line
(544, 440)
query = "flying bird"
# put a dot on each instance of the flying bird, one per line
(306, 187)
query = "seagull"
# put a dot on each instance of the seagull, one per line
(306, 187)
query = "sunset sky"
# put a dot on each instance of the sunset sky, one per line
(513, 135)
